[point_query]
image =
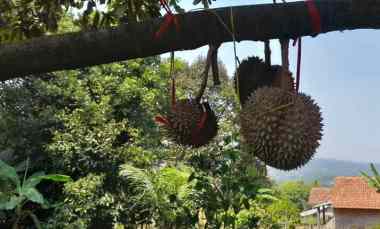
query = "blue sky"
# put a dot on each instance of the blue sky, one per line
(341, 71)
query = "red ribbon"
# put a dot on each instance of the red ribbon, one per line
(161, 120)
(169, 19)
(314, 16)
(316, 25)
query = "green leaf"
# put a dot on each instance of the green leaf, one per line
(57, 178)
(12, 203)
(33, 195)
(265, 190)
(37, 177)
(33, 180)
(374, 170)
(8, 172)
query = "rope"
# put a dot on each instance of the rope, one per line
(205, 74)
(267, 53)
(171, 74)
(236, 59)
(299, 55)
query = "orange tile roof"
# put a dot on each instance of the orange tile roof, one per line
(319, 195)
(354, 192)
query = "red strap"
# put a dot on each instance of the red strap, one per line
(169, 19)
(200, 125)
(161, 120)
(164, 4)
(202, 122)
(314, 16)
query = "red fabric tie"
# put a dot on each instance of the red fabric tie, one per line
(161, 120)
(314, 16)
(169, 19)
(200, 125)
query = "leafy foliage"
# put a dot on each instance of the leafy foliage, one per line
(373, 181)
(16, 193)
(285, 212)
(24, 19)
(98, 128)
(295, 191)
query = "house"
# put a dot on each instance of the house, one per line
(350, 203)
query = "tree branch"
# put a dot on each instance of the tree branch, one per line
(254, 22)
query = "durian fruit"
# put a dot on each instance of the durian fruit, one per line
(191, 123)
(251, 74)
(254, 73)
(281, 128)
(282, 78)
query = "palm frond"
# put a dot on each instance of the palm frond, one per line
(373, 181)
(138, 183)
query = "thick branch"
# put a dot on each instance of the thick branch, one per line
(255, 22)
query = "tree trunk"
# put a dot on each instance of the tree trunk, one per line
(253, 22)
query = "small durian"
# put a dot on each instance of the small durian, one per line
(254, 73)
(281, 128)
(190, 123)
(282, 78)
(251, 74)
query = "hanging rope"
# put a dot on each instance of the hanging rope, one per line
(267, 52)
(205, 74)
(285, 53)
(316, 27)
(214, 66)
(299, 56)
(236, 58)
(171, 75)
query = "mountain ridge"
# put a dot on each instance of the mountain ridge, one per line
(323, 170)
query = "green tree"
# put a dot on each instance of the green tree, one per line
(26, 19)
(295, 191)
(285, 213)
(101, 120)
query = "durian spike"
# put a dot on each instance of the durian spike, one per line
(205, 73)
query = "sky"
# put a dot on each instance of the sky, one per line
(341, 71)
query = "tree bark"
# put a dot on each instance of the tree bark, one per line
(253, 22)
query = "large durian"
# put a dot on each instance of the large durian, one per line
(254, 73)
(283, 129)
(190, 123)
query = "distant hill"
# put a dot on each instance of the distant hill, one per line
(323, 170)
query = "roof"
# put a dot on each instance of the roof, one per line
(312, 211)
(319, 195)
(354, 192)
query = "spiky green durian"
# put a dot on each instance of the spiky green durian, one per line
(281, 128)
